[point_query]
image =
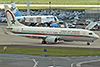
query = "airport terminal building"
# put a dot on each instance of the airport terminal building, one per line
(92, 13)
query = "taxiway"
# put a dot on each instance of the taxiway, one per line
(16, 60)
(7, 39)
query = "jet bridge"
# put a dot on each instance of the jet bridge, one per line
(92, 26)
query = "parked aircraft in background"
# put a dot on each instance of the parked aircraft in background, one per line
(48, 34)
(32, 19)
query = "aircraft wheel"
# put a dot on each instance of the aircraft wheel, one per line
(88, 43)
(43, 42)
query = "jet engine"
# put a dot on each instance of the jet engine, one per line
(51, 39)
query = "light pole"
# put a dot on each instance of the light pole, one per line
(28, 7)
(50, 5)
(98, 11)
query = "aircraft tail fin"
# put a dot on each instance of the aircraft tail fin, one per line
(11, 20)
(15, 10)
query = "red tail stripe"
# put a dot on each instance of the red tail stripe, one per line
(11, 16)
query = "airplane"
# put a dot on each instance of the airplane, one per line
(31, 19)
(48, 34)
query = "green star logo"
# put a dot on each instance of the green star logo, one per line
(13, 21)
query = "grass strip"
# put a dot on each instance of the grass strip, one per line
(20, 7)
(51, 51)
(64, 2)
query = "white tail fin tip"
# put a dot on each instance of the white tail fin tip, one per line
(6, 7)
(9, 15)
(11, 20)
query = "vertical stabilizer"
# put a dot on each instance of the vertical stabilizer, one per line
(15, 10)
(11, 20)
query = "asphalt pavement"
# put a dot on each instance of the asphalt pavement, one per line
(8, 39)
(18, 60)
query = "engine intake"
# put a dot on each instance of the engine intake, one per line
(51, 39)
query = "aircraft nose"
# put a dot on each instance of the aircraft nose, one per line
(97, 36)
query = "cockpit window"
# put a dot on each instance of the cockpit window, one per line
(90, 33)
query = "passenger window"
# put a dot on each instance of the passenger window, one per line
(90, 33)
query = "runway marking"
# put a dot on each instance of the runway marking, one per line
(0, 61)
(54, 63)
(68, 58)
(36, 63)
(65, 58)
(72, 65)
(80, 63)
(49, 58)
(15, 58)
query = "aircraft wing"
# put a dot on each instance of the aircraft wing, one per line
(39, 36)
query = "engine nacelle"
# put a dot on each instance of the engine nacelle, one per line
(51, 39)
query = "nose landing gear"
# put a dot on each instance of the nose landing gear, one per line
(88, 43)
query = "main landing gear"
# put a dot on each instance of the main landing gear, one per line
(43, 42)
(88, 43)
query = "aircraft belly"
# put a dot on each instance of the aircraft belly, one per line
(76, 38)
(84, 39)
(69, 38)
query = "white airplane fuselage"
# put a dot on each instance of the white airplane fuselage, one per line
(33, 19)
(61, 33)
